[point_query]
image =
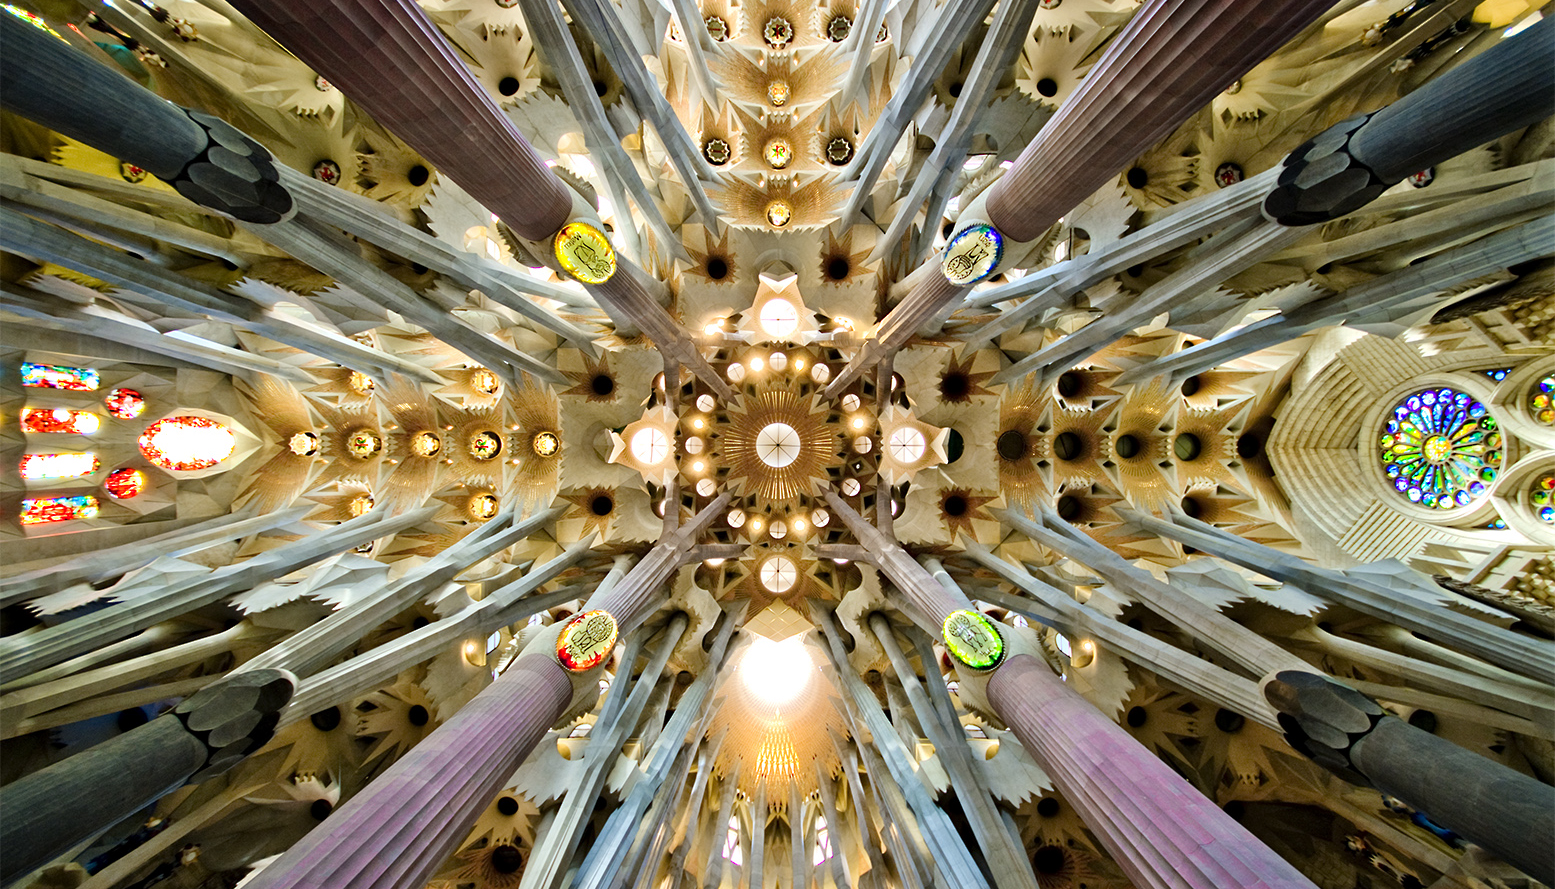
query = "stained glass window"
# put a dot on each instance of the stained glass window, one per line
(1497, 374)
(125, 404)
(57, 376)
(122, 484)
(1543, 498)
(1441, 449)
(40, 510)
(41, 466)
(186, 444)
(1540, 404)
(59, 419)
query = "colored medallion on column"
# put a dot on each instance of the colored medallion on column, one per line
(585, 253)
(972, 639)
(972, 255)
(586, 641)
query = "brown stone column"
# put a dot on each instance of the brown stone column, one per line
(1159, 829)
(1171, 59)
(387, 57)
(396, 832)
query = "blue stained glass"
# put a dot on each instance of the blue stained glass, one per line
(1441, 449)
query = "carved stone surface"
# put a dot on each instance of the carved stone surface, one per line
(49, 811)
(1479, 799)
(1323, 180)
(1160, 830)
(235, 717)
(234, 174)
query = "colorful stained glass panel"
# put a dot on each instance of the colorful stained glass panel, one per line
(41, 510)
(125, 404)
(58, 376)
(124, 483)
(1441, 449)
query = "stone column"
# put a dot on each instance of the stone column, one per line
(418, 88)
(1171, 59)
(202, 157)
(629, 600)
(19, 657)
(928, 602)
(1160, 830)
(44, 814)
(1505, 88)
(1487, 803)
(120, 560)
(400, 829)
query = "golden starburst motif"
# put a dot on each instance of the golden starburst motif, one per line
(804, 457)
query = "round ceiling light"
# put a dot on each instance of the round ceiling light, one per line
(779, 318)
(777, 444)
(779, 574)
(650, 446)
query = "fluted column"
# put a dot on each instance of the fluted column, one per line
(1485, 802)
(1160, 830)
(418, 88)
(47, 812)
(629, 600)
(400, 829)
(1505, 88)
(1171, 59)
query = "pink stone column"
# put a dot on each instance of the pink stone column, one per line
(1171, 60)
(1159, 829)
(387, 57)
(404, 825)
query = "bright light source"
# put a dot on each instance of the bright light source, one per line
(756, 363)
(777, 672)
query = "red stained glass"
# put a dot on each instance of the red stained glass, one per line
(186, 444)
(125, 404)
(59, 420)
(122, 484)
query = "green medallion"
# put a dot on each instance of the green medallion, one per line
(973, 640)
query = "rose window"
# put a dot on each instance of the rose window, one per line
(1441, 449)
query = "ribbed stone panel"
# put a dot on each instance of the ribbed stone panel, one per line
(1159, 829)
(390, 59)
(403, 826)
(1170, 61)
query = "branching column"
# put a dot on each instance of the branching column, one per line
(1507, 812)
(1161, 830)
(1171, 59)
(420, 90)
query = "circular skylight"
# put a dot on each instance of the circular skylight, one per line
(650, 446)
(907, 445)
(777, 444)
(779, 318)
(779, 574)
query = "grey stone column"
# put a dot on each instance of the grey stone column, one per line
(1504, 88)
(44, 814)
(202, 157)
(1483, 801)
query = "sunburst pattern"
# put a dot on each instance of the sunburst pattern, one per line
(819, 445)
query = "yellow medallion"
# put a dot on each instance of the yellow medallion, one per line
(585, 253)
